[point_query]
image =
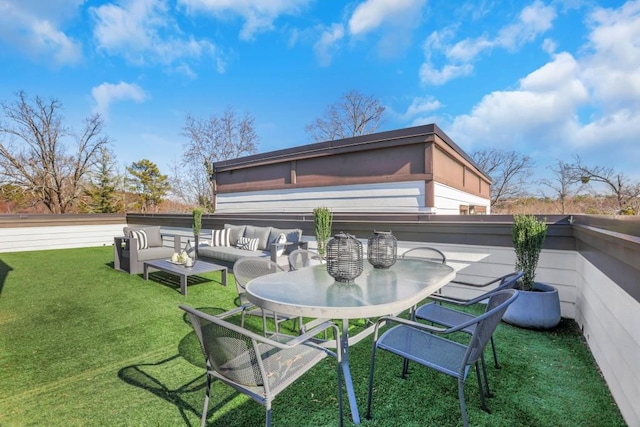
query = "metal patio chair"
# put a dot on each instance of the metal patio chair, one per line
(300, 258)
(426, 253)
(437, 313)
(257, 366)
(247, 269)
(424, 344)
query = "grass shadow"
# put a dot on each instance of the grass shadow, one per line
(4, 273)
(173, 281)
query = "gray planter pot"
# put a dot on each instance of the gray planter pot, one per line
(537, 309)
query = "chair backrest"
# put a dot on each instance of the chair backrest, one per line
(488, 322)
(301, 258)
(425, 253)
(508, 281)
(229, 350)
(247, 269)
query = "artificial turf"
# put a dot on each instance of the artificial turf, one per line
(82, 344)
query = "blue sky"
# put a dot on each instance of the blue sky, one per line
(546, 78)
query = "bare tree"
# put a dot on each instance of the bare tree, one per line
(563, 183)
(625, 191)
(211, 139)
(354, 114)
(34, 158)
(509, 172)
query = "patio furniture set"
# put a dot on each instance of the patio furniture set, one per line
(253, 364)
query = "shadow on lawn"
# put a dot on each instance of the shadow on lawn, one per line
(173, 282)
(155, 377)
(4, 273)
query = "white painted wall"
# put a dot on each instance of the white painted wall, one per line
(448, 200)
(609, 318)
(394, 196)
(58, 237)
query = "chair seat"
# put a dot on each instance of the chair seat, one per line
(439, 353)
(445, 316)
(283, 366)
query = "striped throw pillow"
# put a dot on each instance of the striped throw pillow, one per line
(141, 238)
(220, 237)
(248, 244)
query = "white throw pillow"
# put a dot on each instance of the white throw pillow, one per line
(220, 237)
(248, 244)
(141, 238)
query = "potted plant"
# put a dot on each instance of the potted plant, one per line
(322, 221)
(197, 226)
(538, 305)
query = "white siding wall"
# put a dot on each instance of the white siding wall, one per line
(448, 200)
(395, 196)
(59, 237)
(609, 318)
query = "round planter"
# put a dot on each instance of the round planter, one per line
(536, 309)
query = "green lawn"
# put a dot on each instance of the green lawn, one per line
(82, 344)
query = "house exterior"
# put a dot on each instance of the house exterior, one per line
(412, 170)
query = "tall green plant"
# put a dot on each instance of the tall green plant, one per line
(322, 221)
(197, 221)
(528, 235)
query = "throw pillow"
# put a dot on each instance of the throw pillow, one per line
(248, 244)
(220, 237)
(141, 238)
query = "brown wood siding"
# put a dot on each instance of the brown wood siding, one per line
(447, 170)
(276, 175)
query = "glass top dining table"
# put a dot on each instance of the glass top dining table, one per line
(311, 292)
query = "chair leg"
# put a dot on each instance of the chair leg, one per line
(203, 421)
(405, 368)
(486, 377)
(463, 407)
(495, 355)
(482, 399)
(340, 406)
(267, 422)
(373, 365)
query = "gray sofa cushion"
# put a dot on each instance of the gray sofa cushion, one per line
(229, 253)
(154, 239)
(293, 235)
(261, 233)
(236, 231)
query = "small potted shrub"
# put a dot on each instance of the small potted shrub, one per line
(538, 305)
(197, 226)
(322, 222)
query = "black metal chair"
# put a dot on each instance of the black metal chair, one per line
(256, 366)
(423, 344)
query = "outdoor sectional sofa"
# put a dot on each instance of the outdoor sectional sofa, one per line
(228, 245)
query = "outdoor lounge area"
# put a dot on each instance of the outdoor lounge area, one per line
(84, 344)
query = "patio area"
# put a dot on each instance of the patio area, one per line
(83, 344)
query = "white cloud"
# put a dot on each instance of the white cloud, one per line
(144, 32)
(371, 14)
(571, 105)
(532, 21)
(326, 45)
(258, 15)
(545, 103)
(35, 29)
(108, 93)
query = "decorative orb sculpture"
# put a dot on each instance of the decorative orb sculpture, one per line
(344, 257)
(382, 249)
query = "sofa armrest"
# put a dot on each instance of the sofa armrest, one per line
(273, 248)
(177, 242)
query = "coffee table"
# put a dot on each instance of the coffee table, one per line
(184, 272)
